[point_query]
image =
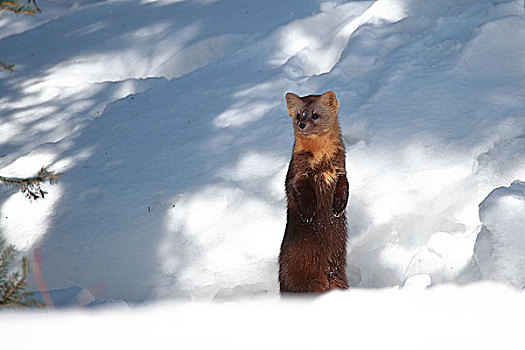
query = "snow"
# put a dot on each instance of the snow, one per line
(168, 122)
(359, 318)
(500, 244)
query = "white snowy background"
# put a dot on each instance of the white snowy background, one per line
(167, 119)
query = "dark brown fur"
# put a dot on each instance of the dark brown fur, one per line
(313, 251)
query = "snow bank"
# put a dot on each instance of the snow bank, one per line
(501, 242)
(485, 316)
(169, 123)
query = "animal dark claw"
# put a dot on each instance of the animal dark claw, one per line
(338, 208)
(307, 211)
(337, 214)
(307, 219)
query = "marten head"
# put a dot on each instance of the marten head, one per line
(313, 115)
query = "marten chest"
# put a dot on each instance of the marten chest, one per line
(320, 169)
(323, 176)
(320, 175)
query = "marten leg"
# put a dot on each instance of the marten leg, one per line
(308, 284)
(304, 194)
(337, 278)
(340, 196)
(302, 267)
(337, 265)
(314, 285)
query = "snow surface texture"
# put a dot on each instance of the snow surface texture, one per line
(501, 242)
(485, 316)
(168, 121)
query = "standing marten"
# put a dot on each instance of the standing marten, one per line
(313, 251)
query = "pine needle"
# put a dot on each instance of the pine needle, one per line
(12, 287)
(31, 186)
(14, 6)
(8, 67)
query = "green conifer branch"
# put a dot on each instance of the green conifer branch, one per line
(30, 186)
(8, 67)
(12, 288)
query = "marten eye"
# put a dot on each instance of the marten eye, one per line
(315, 116)
(298, 115)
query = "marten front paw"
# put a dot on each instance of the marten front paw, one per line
(338, 207)
(307, 212)
(307, 219)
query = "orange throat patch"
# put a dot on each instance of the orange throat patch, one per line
(321, 147)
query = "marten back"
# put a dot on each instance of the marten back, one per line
(313, 251)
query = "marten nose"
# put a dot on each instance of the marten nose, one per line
(302, 125)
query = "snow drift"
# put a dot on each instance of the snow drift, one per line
(485, 316)
(501, 242)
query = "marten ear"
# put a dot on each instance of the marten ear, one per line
(292, 102)
(330, 100)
